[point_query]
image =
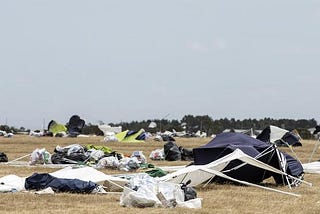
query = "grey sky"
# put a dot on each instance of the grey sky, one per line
(133, 60)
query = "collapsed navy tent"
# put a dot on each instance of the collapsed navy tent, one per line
(279, 136)
(75, 126)
(226, 143)
(44, 180)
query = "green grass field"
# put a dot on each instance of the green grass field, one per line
(216, 198)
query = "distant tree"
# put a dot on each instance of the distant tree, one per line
(305, 134)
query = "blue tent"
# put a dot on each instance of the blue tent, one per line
(226, 143)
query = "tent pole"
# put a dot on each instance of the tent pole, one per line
(114, 183)
(316, 146)
(295, 154)
(282, 164)
(18, 158)
(214, 172)
(263, 153)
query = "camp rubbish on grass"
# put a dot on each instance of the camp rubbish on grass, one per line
(140, 191)
(205, 170)
(13, 183)
(163, 192)
(144, 191)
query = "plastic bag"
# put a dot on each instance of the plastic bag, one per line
(157, 154)
(140, 156)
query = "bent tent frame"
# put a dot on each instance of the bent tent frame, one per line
(199, 174)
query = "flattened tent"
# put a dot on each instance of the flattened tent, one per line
(39, 181)
(279, 136)
(131, 136)
(87, 173)
(225, 143)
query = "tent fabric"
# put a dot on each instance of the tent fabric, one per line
(107, 129)
(312, 167)
(279, 136)
(225, 143)
(201, 174)
(75, 125)
(74, 174)
(44, 180)
(131, 136)
(87, 174)
(56, 128)
(12, 182)
(317, 130)
(105, 149)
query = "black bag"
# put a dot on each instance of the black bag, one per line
(189, 192)
(3, 157)
(171, 151)
(186, 154)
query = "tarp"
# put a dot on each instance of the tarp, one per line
(90, 174)
(39, 181)
(312, 167)
(85, 174)
(225, 143)
(11, 183)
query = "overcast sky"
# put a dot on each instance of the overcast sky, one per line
(135, 60)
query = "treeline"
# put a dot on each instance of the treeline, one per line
(204, 123)
(11, 129)
(192, 124)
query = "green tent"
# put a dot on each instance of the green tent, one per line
(130, 136)
(105, 149)
(56, 128)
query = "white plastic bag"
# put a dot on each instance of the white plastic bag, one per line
(157, 154)
(145, 191)
(139, 155)
(108, 162)
(40, 156)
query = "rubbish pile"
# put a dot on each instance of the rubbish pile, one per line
(144, 191)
